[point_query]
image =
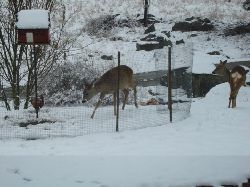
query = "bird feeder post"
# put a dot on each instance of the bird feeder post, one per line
(33, 29)
(35, 75)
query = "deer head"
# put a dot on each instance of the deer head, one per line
(221, 68)
(88, 92)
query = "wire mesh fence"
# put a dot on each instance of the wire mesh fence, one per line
(150, 75)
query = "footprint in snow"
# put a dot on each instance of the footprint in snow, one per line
(27, 179)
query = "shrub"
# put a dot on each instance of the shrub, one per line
(246, 5)
(104, 25)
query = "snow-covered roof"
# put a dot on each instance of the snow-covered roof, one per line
(33, 19)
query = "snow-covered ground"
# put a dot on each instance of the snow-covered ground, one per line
(211, 146)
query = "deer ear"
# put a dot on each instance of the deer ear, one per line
(223, 62)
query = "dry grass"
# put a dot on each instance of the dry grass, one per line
(167, 9)
(221, 10)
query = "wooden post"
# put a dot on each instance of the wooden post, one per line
(169, 84)
(35, 74)
(146, 5)
(117, 93)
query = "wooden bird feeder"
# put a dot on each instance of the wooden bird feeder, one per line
(33, 27)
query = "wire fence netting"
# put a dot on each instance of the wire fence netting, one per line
(64, 114)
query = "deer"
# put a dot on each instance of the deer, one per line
(38, 102)
(107, 84)
(236, 78)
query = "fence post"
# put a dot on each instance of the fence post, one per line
(146, 5)
(117, 93)
(169, 84)
(35, 74)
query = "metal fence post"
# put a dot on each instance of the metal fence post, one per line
(146, 6)
(117, 93)
(169, 84)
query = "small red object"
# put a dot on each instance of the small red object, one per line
(37, 103)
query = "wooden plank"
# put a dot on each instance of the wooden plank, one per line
(231, 65)
(154, 78)
(242, 63)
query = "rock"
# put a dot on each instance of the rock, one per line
(246, 5)
(193, 35)
(190, 19)
(151, 19)
(105, 57)
(152, 93)
(167, 33)
(193, 24)
(151, 42)
(147, 46)
(116, 38)
(151, 28)
(214, 53)
(241, 29)
(180, 42)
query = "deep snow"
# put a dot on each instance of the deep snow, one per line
(211, 146)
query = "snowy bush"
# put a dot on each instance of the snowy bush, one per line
(246, 5)
(103, 26)
(64, 85)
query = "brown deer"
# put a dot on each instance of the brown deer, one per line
(236, 78)
(38, 102)
(107, 84)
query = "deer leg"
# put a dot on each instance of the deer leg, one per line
(126, 92)
(234, 103)
(230, 100)
(135, 96)
(234, 98)
(98, 104)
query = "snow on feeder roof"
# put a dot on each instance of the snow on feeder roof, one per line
(33, 19)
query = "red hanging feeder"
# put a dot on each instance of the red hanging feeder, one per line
(33, 27)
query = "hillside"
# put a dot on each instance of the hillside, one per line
(107, 27)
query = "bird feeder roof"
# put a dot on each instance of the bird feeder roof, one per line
(33, 19)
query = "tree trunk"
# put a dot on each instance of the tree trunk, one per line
(15, 89)
(29, 88)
